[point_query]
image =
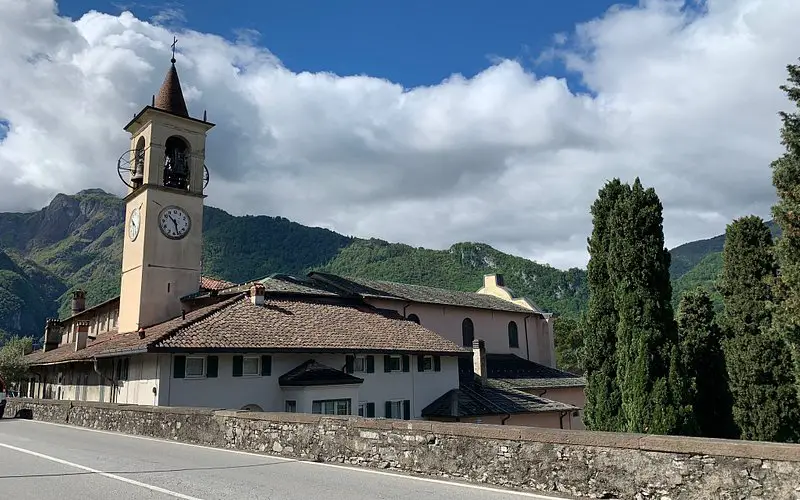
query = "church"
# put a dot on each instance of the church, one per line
(319, 343)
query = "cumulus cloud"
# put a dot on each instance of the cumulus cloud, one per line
(684, 96)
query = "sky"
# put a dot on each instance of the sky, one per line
(426, 123)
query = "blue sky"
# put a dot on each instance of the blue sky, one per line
(413, 42)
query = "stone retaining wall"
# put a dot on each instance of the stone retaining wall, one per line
(580, 463)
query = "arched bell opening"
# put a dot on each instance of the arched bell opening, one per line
(176, 163)
(137, 172)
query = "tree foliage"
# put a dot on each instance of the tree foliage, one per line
(568, 344)
(703, 358)
(13, 366)
(765, 405)
(786, 179)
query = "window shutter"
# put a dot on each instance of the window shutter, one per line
(348, 363)
(371, 410)
(266, 365)
(388, 409)
(437, 363)
(387, 364)
(406, 363)
(420, 363)
(406, 410)
(238, 361)
(212, 366)
(179, 367)
(371, 368)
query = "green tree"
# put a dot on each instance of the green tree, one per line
(568, 344)
(704, 362)
(603, 400)
(786, 179)
(649, 374)
(759, 366)
(13, 366)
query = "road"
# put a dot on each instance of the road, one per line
(49, 461)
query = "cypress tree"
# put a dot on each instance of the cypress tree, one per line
(602, 408)
(765, 405)
(786, 213)
(648, 373)
(704, 362)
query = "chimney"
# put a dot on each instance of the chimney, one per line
(257, 293)
(78, 301)
(493, 280)
(52, 334)
(479, 360)
(82, 335)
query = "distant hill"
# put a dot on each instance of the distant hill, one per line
(76, 241)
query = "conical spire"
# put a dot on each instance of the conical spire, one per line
(170, 96)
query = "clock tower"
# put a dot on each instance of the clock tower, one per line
(166, 175)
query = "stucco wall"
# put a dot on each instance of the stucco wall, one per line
(584, 464)
(570, 395)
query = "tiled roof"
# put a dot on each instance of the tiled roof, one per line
(306, 324)
(170, 95)
(275, 284)
(314, 373)
(418, 293)
(209, 283)
(521, 373)
(113, 342)
(472, 399)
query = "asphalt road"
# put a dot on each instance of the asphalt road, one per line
(47, 461)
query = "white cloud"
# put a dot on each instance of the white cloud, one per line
(685, 99)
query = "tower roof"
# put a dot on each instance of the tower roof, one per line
(170, 96)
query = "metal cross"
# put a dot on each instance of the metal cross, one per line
(174, 42)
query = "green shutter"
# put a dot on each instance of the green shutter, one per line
(348, 363)
(212, 366)
(420, 363)
(238, 361)
(371, 410)
(371, 368)
(387, 364)
(388, 409)
(437, 363)
(406, 363)
(266, 365)
(179, 367)
(406, 410)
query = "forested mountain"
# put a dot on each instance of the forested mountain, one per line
(76, 241)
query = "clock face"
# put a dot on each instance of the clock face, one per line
(174, 222)
(134, 224)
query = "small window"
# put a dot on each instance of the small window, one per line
(195, 367)
(513, 334)
(331, 407)
(362, 408)
(360, 364)
(122, 368)
(395, 363)
(414, 318)
(250, 366)
(291, 406)
(427, 363)
(467, 332)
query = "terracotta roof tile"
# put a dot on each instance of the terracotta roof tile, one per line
(306, 325)
(313, 372)
(170, 95)
(209, 283)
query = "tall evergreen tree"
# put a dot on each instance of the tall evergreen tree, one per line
(602, 408)
(765, 405)
(704, 362)
(648, 371)
(786, 179)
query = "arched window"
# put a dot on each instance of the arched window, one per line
(176, 163)
(513, 334)
(413, 317)
(467, 332)
(137, 176)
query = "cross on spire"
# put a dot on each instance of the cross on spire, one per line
(174, 42)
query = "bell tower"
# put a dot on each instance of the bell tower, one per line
(166, 175)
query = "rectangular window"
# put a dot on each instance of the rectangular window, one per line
(360, 364)
(362, 409)
(427, 363)
(395, 363)
(195, 367)
(394, 409)
(291, 406)
(331, 407)
(250, 366)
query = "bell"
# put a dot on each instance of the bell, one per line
(138, 167)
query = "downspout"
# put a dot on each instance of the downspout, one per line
(527, 344)
(503, 422)
(561, 418)
(102, 377)
(543, 393)
(405, 307)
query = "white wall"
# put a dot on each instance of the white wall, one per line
(227, 391)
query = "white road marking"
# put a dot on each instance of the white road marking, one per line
(101, 473)
(322, 464)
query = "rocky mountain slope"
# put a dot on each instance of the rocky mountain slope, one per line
(76, 241)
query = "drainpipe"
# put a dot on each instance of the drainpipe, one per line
(543, 393)
(102, 377)
(503, 422)
(527, 345)
(561, 418)
(405, 307)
